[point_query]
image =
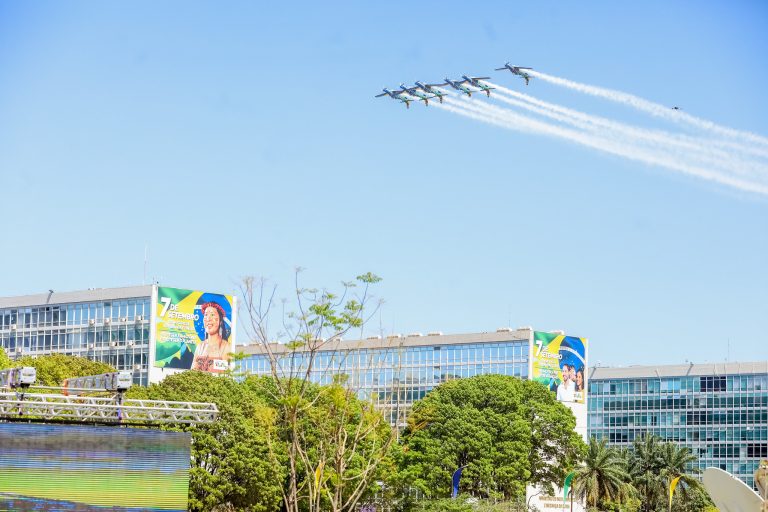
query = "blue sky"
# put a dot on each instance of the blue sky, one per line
(241, 138)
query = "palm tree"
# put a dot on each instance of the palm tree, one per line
(603, 476)
(675, 462)
(652, 466)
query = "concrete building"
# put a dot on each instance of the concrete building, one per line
(398, 370)
(720, 410)
(150, 330)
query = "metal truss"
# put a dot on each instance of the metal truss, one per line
(33, 406)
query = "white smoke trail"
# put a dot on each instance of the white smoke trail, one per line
(652, 108)
(708, 143)
(684, 147)
(508, 119)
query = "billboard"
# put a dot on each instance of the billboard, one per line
(560, 363)
(193, 330)
(89, 469)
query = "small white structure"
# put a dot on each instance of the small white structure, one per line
(731, 494)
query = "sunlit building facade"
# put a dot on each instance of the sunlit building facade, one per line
(398, 370)
(720, 411)
(110, 325)
(150, 330)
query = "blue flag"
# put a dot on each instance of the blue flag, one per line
(456, 478)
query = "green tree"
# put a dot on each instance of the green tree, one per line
(507, 432)
(334, 444)
(603, 477)
(54, 368)
(5, 361)
(232, 468)
(340, 435)
(653, 465)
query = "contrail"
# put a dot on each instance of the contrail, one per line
(707, 144)
(686, 147)
(652, 108)
(508, 119)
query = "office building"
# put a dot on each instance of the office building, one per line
(720, 410)
(398, 370)
(118, 326)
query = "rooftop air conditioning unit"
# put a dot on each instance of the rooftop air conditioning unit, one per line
(377, 337)
(504, 329)
(91, 322)
(525, 328)
(396, 336)
(435, 333)
(415, 335)
(561, 333)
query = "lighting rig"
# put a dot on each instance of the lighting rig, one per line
(75, 401)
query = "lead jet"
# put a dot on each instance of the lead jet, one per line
(432, 89)
(396, 95)
(414, 91)
(517, 70)
(475, 81)
(456, 84)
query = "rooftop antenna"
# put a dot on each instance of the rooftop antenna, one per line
(146, 256)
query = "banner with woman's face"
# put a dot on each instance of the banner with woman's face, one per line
(193, 330)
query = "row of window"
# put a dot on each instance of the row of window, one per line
(73, 314)
(693, 435)
(397, 357)
(60, 340)
(746, 417)
(678, 385)
(730, 401)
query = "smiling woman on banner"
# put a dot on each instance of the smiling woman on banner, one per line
(213, 353)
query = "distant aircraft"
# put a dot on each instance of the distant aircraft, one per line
(676, 108)
(475, 81)
(456, 84)
(517, 70)
(414, 91)
(431, 89)
(396, 95)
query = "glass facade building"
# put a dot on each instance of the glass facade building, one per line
(110, 325)
(720, 411)
(397, 371)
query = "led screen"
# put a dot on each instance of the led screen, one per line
(87, 469)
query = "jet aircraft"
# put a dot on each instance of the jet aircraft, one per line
(414, 91)
(517, 70)
(396, 95)
(457, 84)
(475, 81)
(431, 89)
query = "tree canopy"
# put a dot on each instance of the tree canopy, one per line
(5, 361)
(54, 368)
(506, 432)
(232, 466)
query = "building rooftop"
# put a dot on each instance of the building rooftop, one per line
(410, 340)
(678, 370)
(95, 294)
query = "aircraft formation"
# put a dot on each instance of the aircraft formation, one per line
(467, 85)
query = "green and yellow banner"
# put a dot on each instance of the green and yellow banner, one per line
(193, 330)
